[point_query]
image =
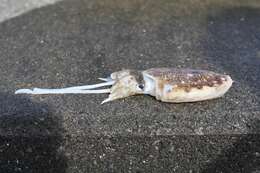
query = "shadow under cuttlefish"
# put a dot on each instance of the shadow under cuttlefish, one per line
(30, 136)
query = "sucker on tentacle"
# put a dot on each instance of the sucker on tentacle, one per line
(165, 84)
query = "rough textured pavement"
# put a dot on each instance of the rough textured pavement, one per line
(13, 8)
(74, 42)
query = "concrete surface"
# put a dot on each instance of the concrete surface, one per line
(13, 8)
(74, 42)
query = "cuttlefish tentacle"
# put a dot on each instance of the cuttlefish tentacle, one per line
(165, 84)
(85, 89)
(60, 91)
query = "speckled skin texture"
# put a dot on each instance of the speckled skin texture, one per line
(187, 85)
(74, 42)
(187, 78)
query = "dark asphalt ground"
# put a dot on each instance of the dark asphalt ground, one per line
(74, 42)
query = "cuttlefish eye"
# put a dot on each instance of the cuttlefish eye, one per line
(141, 86)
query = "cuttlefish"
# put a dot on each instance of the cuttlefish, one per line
(165, 84)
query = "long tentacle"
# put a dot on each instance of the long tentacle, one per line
(67, 90)
(60, 91)
(108, 83)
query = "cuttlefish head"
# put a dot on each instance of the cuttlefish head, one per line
(127, 83)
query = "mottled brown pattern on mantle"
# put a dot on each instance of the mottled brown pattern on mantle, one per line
(187, 78)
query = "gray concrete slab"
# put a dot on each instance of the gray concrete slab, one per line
(13, 8)
(75, 42)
